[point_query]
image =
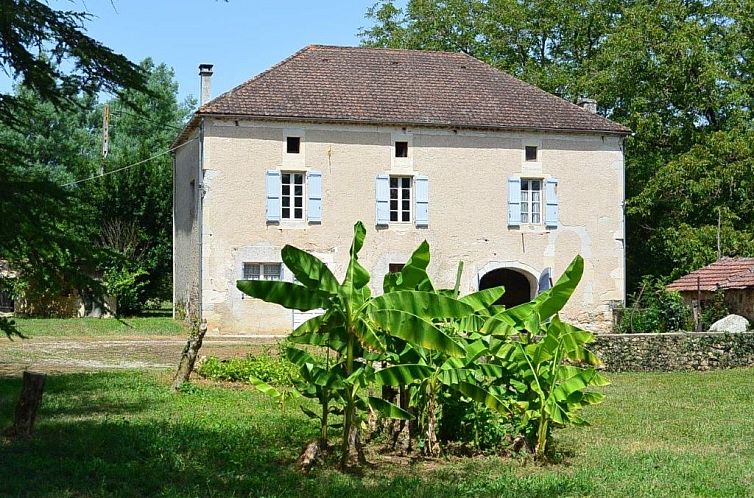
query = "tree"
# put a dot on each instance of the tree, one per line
(679, 74)
(35, 42)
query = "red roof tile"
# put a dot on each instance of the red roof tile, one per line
(727, 273)
(401, 87)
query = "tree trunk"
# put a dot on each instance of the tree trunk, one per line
(189, 355)
(28, 404)
(432, 447)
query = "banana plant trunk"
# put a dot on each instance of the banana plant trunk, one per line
(432, 447)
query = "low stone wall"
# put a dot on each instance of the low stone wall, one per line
(674, 351)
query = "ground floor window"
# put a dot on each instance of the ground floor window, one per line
(262, 271)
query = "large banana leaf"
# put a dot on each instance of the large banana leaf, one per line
(312, 325)
(389, 410)
(287, 294)
(551, 301)
(402, 375)
(357, 277)
(415, 330)
(482, 396)
(482, 300)
(309, 270)
(413, 275)
(424, 304)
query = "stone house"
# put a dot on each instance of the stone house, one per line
(733, 276)
(418, 145)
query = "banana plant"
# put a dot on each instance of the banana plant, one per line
(354, 323)
(546, 364)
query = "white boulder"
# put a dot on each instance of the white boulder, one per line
(731, 323)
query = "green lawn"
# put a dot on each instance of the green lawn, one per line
(124, 434)
(96, 327)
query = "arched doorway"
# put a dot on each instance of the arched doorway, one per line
(518, 286)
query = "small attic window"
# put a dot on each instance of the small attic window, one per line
(401, 149)
(293, 145)
(531, 152)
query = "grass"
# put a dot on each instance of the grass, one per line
(99, 327)
(124, 434)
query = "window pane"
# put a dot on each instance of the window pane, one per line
(531, 153)
(286, 189)
(406, 216)
(535, 218)
(524, 217)
(286, 212)
(524, 185)
(536, 184)
(393, 193)
(393, 205)
(535, 196)
(298, 190)
(299, 213)
(406, 182)
(250, 271)
(525, 196)
(286, 201)
(298, 179)
(401, 149)
(406, 205)
(393, 182)
(393, 215)
(286, 178)
(272, 271)
(298, 202)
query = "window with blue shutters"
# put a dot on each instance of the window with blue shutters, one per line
(294, 196)
(533, 201)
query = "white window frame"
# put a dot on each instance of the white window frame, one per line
(291, 197)
(264, 271)
(411, 200)
(529, 203)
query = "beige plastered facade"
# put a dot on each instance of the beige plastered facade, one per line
(220, 220)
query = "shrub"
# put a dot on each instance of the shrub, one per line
(655, 309)
(266, 367)
(714, 309)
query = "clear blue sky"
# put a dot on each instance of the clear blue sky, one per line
(240, 37)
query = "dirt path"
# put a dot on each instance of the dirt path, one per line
(76, 354)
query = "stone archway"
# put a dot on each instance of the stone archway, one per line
(520, 286)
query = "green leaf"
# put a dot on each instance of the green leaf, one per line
(312, 325)
(310, 413)
(287, 294)
(389, 410)
(357, 277)
(309, 270)
(402, 375)
(264, 387)
(482, 300)
(551, 301)
(423, 304)
(482, 396)
(413, 275)
(415, 330)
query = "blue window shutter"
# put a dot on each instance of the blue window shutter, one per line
(273, 196)
(551, 198)
(382, 196)
(422, 201)
(314, 188)
(514, 201)
(545, 281)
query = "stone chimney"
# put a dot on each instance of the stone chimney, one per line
(205, 75)
(586, 104)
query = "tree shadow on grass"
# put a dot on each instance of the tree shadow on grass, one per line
(207, 442)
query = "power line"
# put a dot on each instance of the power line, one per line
(130, 165)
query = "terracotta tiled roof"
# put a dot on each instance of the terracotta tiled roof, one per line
(401, 87)
(727, 273)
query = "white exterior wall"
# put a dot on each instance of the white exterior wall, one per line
(468, 172)
(186, 191)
